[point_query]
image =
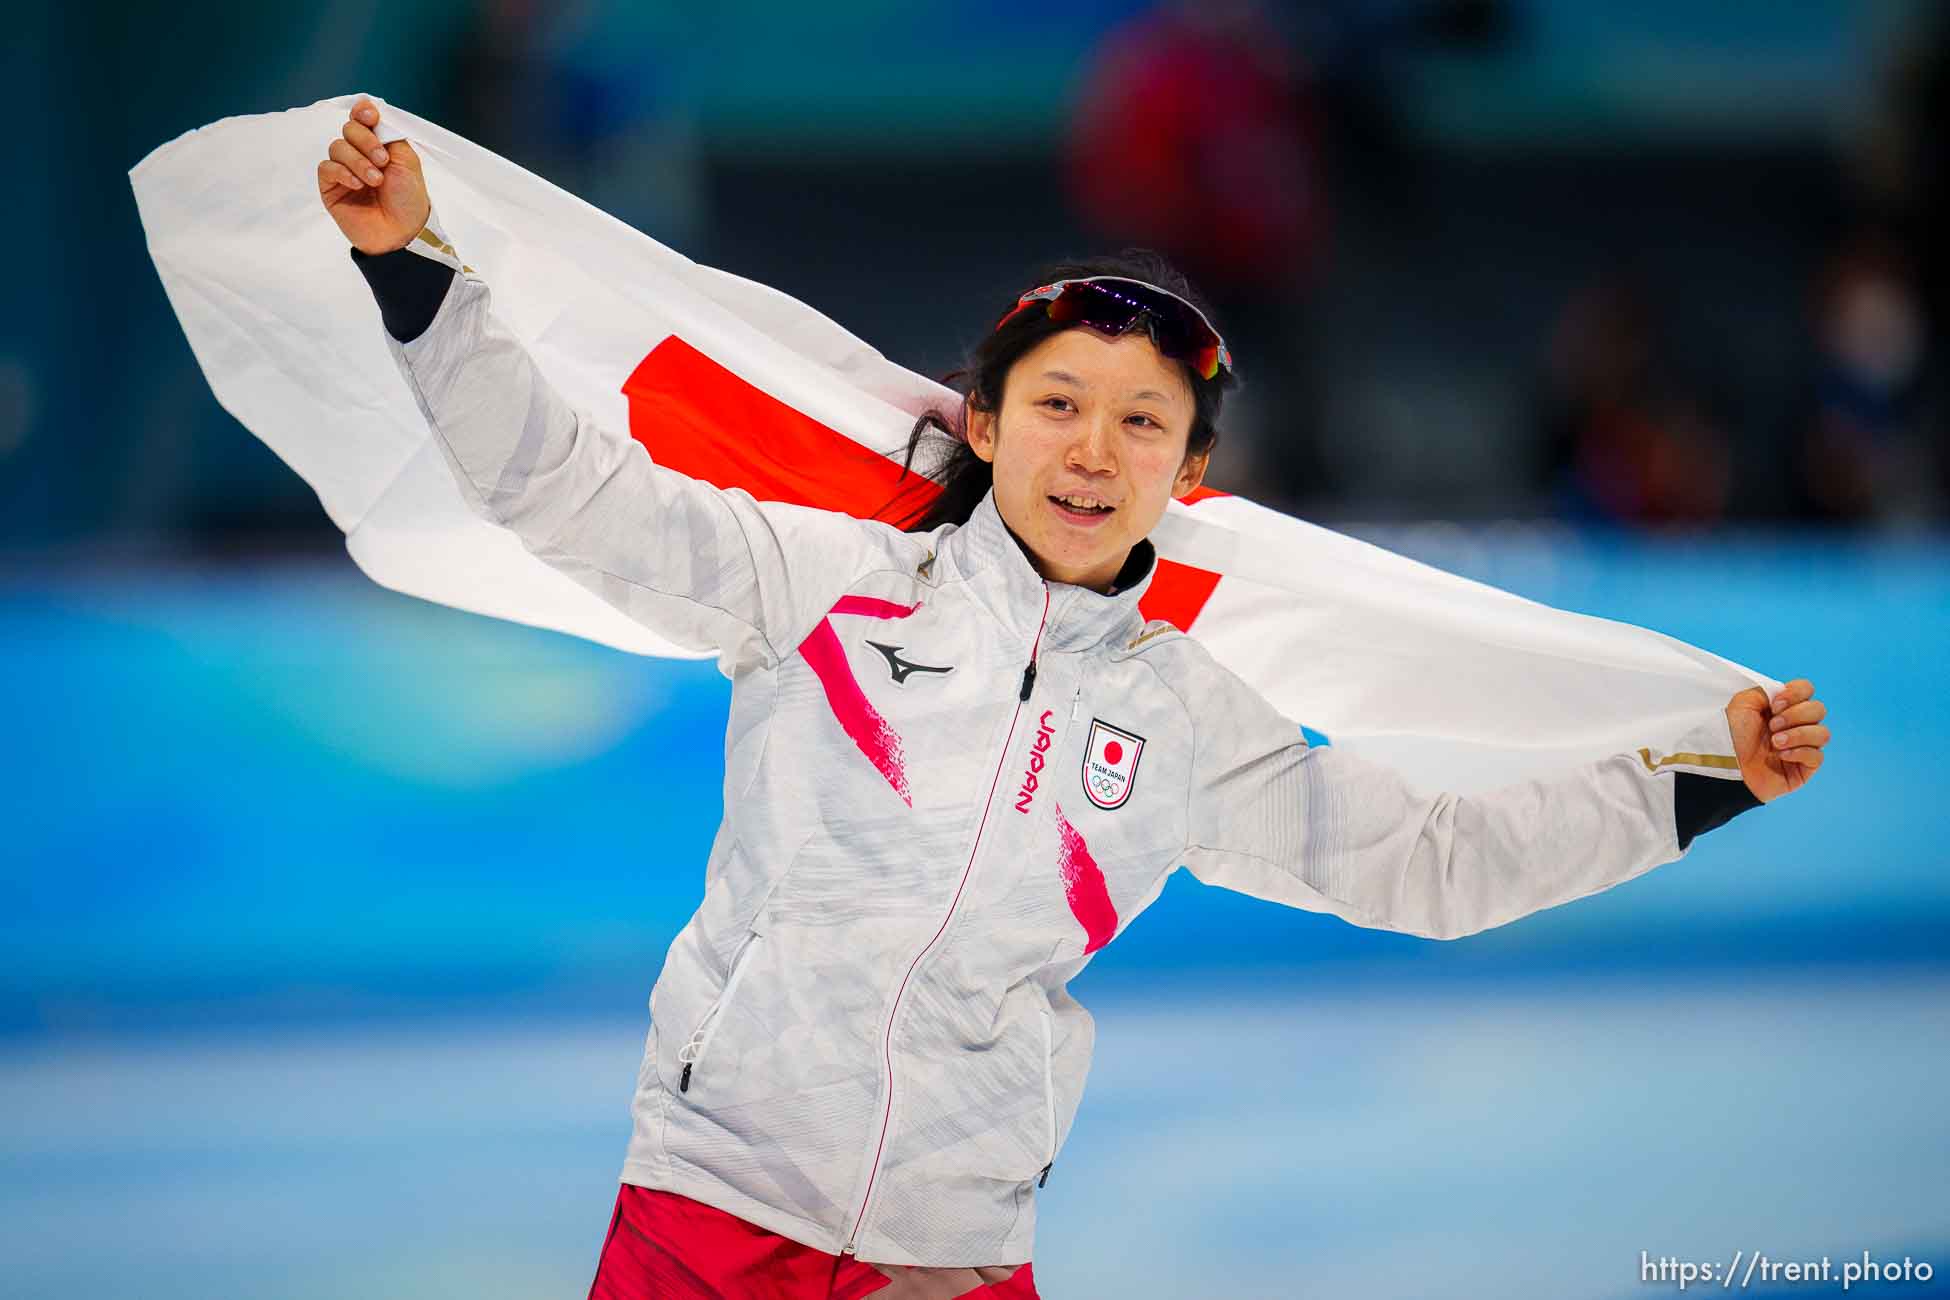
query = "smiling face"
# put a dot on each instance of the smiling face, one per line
(1088, 449)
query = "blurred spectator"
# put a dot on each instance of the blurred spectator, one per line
(1196, 134)
(1863, 456)
(499, 86)
(586, 96)
(1625, 440)
(1905, 162)
(1208, 131)
(1906, 152)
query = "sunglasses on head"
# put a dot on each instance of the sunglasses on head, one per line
(1114, 303)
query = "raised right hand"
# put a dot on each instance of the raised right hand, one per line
(375, 192)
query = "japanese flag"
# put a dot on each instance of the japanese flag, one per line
(1456, 684)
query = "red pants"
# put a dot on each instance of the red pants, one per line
(662, 1246)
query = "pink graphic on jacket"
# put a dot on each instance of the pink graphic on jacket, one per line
(1083, 884)
(824, 654)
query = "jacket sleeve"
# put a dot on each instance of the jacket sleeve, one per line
(706, 568)
(1320, 829)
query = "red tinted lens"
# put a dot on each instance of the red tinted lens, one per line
(1090, 305)
(1114, 308)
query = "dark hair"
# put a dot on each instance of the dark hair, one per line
(964, 477)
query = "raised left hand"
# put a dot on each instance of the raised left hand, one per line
(1778, 741)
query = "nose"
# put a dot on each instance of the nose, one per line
(1094, 449)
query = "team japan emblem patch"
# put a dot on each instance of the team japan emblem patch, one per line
(1110, 761)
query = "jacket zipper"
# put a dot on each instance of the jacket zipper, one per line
(1049, 1093)
(692, 1053)
(893, 1015)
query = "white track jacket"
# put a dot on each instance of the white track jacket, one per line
(947, 784)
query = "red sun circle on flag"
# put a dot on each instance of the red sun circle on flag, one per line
(1113, 752)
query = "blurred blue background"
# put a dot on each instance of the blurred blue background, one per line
(329, 915)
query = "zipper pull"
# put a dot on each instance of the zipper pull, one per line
(1045, 1178)
(1076, 703)
(688, 1055)
(1028, 681)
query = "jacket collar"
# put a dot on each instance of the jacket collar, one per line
(984, 551)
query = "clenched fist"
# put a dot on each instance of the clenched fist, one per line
(1779, 743)
(375, 192)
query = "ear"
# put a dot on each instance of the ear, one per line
(1191, 473)
(981, 432)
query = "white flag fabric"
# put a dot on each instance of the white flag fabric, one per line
(1456, 684)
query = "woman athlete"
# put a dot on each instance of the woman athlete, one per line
(959, 762)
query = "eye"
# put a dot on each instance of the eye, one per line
(1057, 403)
(1148, 421)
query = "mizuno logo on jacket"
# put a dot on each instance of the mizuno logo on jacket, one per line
(901, 668)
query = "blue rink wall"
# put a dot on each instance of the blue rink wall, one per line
(288, 793)
(329, 916)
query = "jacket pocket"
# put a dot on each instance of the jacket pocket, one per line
(693, 1052)
(1049, 1092)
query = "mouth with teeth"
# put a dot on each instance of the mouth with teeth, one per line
(1081, 509)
